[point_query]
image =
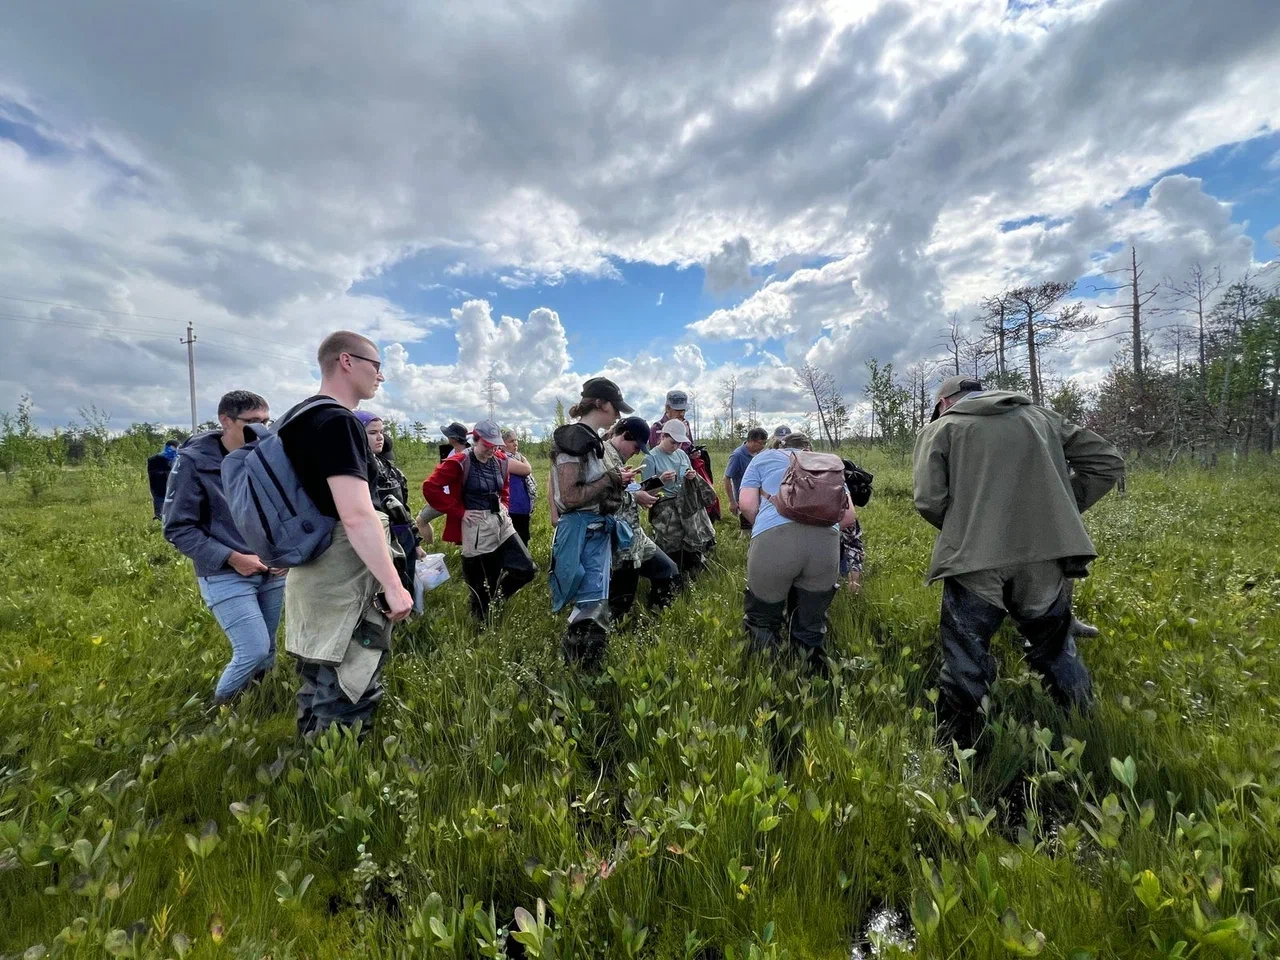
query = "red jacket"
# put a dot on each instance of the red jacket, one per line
(449, 502)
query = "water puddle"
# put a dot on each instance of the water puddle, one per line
(886, 929)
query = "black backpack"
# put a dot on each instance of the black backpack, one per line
(858, 482)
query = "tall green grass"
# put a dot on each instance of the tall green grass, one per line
(690, 802)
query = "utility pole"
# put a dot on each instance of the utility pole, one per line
(489, 383)
(191, 370)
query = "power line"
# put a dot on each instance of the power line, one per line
(41, 321)
(138, 331)
(257, 353)
(122, 313)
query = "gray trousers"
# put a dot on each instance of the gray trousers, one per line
(793, 555)
(322, 703)
(974, 606)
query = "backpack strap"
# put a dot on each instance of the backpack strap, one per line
(466, 472)
(313, 404)
(505, 466)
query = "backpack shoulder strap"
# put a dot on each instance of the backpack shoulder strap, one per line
(313, 404)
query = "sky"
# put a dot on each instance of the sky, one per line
(510, 198)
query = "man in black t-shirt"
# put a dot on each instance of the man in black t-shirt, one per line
(339, 608)
(328, 442)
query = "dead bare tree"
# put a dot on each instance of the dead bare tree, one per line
(1179, 337)
(954, 342)
(918, 377)
(1191, 297)
(995, 323)
(1133, 307)
(1040, 323)
(728, 397)
(818, 383)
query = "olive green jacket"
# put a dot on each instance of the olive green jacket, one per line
(1005, 482)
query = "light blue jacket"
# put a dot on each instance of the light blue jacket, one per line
(569, 551)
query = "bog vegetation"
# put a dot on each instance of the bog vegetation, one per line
(687, 803)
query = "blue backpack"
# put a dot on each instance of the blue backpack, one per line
(272, 511)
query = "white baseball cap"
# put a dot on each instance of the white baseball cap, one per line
(676, 430)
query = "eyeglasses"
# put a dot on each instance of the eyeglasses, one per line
(377, 364)
(256, 421)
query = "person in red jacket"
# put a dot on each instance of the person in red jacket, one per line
(472, 490)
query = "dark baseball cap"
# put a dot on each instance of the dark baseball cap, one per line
(602, 388)
(949, 388)
(634, 428)
(677, 400)
(456, 431)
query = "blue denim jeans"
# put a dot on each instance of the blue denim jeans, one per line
(248, 610)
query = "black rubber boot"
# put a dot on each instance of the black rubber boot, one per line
(809, 624)
(586, 636)
(762, 622)
(662, 592)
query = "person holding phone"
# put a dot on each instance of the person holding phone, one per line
(643, 558)
(585, 495)
(681, 525)
(244, 596)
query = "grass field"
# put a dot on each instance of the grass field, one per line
(688, 803)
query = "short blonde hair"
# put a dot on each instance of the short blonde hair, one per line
(339, 342)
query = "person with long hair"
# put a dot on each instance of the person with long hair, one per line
(585, 494)
(391, 494)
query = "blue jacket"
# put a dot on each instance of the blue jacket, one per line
(567, 567)
(197, 519)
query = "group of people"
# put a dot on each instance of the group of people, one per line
(1004, 480)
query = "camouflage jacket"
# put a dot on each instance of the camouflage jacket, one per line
(681, 522)
(642, 546)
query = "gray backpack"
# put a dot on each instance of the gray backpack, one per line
(272, 511)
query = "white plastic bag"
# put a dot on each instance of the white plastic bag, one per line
(428, 574)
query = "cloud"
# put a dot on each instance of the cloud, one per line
(531, 367)
(246, 164)
(842, 314)
(660, 296)
(730, 268)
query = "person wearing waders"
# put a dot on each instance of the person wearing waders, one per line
(792, 564)
(586, 494)
(1005, 482)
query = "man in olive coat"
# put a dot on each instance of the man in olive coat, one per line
(1005, 482)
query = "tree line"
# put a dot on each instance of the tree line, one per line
(1196, 370)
